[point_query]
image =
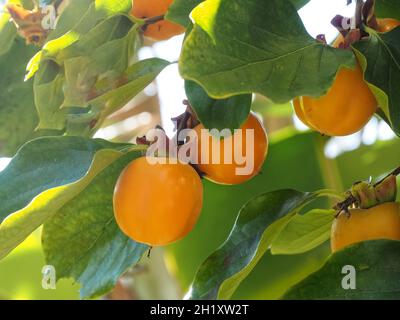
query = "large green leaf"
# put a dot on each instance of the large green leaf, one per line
(380, 58)
(387, 9)
(44, 175)
(218, 114)
(377, 268)
(83, 241)
(179, 11)
(259, 223)
(244, 46)
(304, 232)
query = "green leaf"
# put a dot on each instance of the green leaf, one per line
(380, 59)
(110, 29)
(44, 175)
(179, 11)
(299, 3)
(387, 9)
(83, 241)
(304, 232)
(377, 266)
(18, 115)
(106, 51)
(48, 88)
(70, 17)
(8, 32)
(66, 81)
(218, 114)
(245, 46)
(259, 223)
(98, 11)
(138, 77)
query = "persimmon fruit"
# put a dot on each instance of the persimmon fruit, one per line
(226, 171)
(345, 109)
(161, 30)
(157, 204)
(379, 222)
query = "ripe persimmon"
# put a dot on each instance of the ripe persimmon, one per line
(345, 109)
(379, 222)
(157, 204)
(227, 171)
(161, 30)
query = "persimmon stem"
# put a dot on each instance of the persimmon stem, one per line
(359, 10)
(153, 20)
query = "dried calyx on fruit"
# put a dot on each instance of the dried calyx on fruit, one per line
(370, 212)
(186, 120)
(365, 195)
(353, 29)
(224, 159)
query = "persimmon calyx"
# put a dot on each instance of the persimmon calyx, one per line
(365, 195)
(354, 29)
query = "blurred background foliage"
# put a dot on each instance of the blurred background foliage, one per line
(21, 275)
(297, 159)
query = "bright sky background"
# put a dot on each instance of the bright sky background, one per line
(316, 16)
